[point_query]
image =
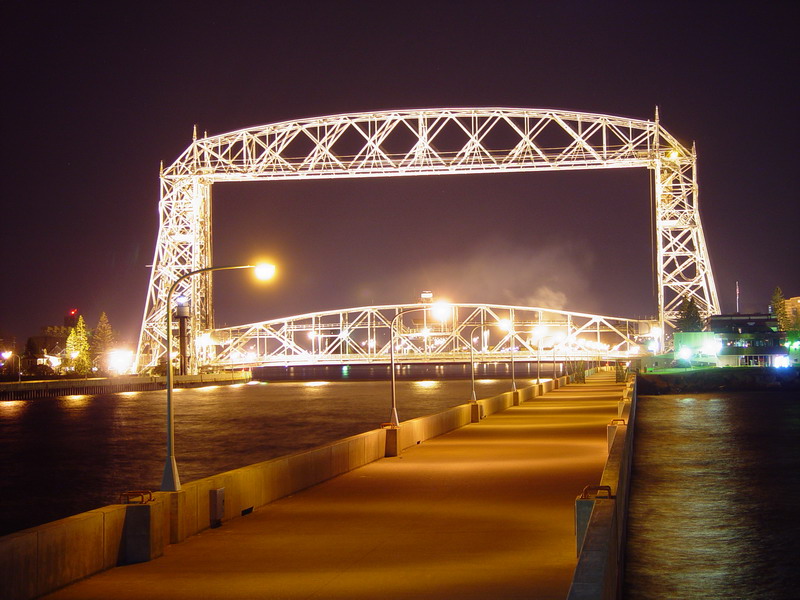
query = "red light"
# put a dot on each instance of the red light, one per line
(73, 312)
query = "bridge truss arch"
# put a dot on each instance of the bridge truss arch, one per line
(413, 143)
(483, 332)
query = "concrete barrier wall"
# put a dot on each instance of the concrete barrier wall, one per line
(253, 486)
(601, 560)
(36, 561)
(39, 560)
(27, 390)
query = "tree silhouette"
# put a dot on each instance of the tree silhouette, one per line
(689, 318)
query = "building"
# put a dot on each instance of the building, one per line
(792, 306)
(739, 340)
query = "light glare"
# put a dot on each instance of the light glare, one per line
(265, 271)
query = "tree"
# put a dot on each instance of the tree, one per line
(778, 308)
(102, 338)
(78, 349)
(689, 318)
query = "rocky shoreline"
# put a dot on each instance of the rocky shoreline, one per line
(740, 379)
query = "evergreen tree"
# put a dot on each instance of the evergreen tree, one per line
(102, 338)
(778, 308)
(689, 318)
(78, 349)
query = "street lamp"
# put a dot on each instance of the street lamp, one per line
(472, 360)
(557, 339)
(439, 310)
(507, 325)
(9, 354)
(170, 482)
(538, 333)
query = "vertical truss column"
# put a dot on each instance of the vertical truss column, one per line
(682, 262)
(183, 245)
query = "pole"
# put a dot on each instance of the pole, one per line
(538, 361)
(472, 362)
(170, 481)
(393, 419)
(513, 375)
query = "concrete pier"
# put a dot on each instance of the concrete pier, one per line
(485, 511)
(29, 390)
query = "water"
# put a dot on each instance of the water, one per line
(61, 456)
(714, 498)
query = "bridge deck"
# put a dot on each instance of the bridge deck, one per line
(485, 511)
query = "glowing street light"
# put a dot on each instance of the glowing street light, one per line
(8, 354)
(170, 481)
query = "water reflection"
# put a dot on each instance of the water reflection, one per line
(84, 451)
(426, 384)
(712, 504)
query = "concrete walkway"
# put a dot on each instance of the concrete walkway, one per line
(483, 512)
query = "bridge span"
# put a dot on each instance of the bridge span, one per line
(407, 143)
(427, 333)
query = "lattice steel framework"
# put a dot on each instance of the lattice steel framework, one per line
(423, 142)
(362, 335)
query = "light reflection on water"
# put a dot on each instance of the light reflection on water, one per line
(61, 456)
(713, 499)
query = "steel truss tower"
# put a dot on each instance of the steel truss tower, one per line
(421, 142)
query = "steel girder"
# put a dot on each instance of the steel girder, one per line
(420, 142)
(362, 335)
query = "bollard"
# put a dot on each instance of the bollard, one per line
(583, 511)
(611, 431)
(392, 439)
(142, 532)
(216, 505)
(476, 412)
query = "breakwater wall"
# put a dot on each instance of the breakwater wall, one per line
(601, 513)
(42, 559)
(28, 390)
(730, 379)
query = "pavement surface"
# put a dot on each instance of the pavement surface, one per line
(484, 512)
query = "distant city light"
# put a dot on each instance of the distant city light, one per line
(441, 310)
(712, 348)
(781, 361)
(120, 362)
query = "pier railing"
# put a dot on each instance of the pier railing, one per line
(601, 513)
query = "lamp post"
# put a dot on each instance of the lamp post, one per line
(538, 333)
(170, 481)
(508, 326)
(472, 362)
(393, 419)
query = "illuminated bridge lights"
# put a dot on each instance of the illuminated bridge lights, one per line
(363, 337)
(415, 143)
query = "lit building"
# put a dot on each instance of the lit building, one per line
(793, 309)
(738, 340)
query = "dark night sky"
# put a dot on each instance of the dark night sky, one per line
(96, 96)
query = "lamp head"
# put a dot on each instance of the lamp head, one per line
(440, 311)
(265, 271)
